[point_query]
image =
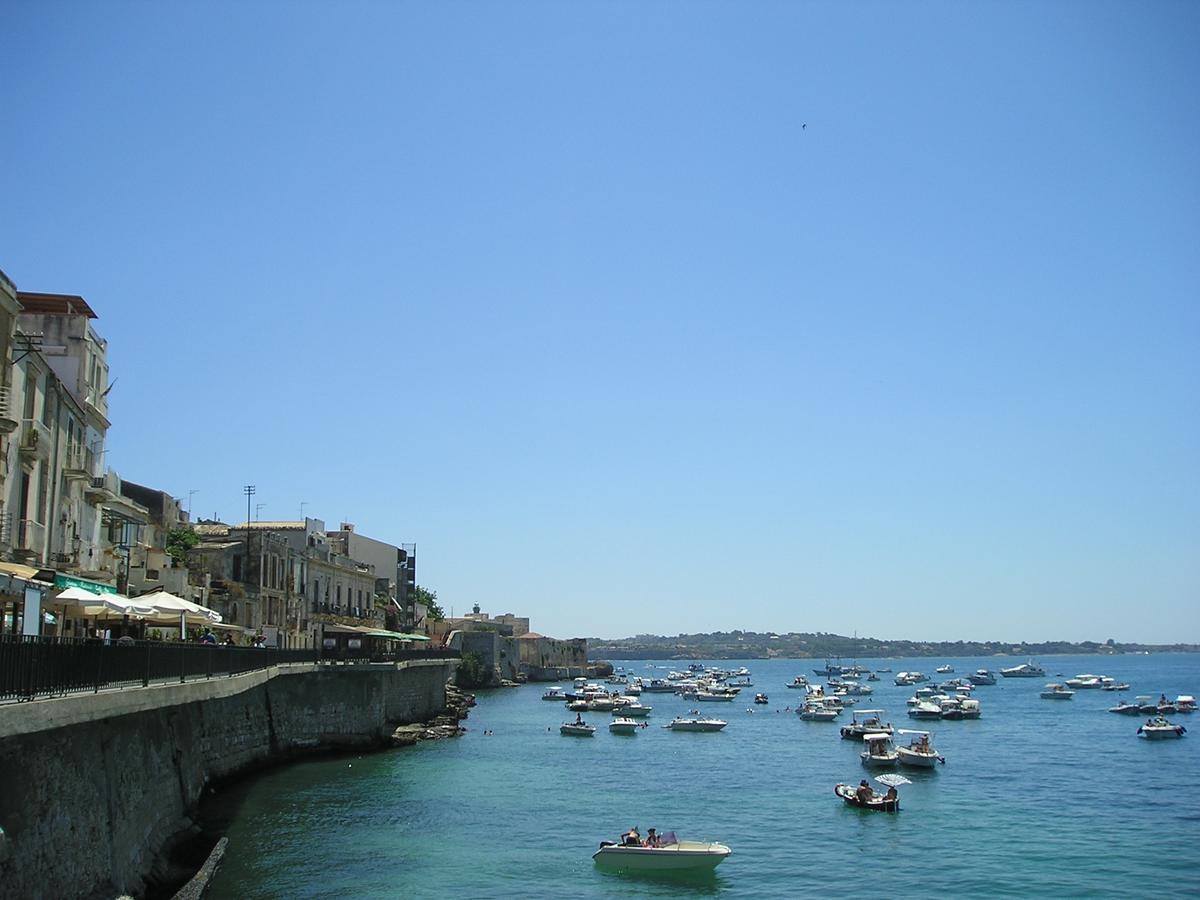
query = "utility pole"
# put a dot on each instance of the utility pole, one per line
(249, 490)
(303, 503)
(258, 508)
(190, 495)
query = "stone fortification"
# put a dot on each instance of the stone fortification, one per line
(531, 655)
(93, 786)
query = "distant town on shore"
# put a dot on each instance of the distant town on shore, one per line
(803, 645)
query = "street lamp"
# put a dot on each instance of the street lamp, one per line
(249, 490)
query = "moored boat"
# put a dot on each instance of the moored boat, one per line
(862, 797)
(879, 751)
(624, 726)
(982, 676)
(1157, 728)
(1126, 708)
(1056, 691)
(919, 752)
(554, 693)
(798, 682)
(633, 709)
(864, 722)
(671, 855)
(577, 729)
(761, 698)
(1185, 703)
(691, 724)
(1024, 670)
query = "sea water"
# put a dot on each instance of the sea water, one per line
(1037, 797)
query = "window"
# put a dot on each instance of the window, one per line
(237, 569)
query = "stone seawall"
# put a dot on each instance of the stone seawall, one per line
(92, 786)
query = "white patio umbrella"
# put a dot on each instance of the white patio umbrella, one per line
(93, 605)
(166, 605)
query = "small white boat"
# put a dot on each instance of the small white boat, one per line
(961, 708)
(577, 729)
(925, 709)
(672, 855)
(942, 670)
(982, 676)
(554, 693)
(799, 682)
(633, 710)
(1085, 682)
(879, 751)
(624, 726)
(869, 723)
(1024, 670)
(815, 711)
(1158, 728)
(1125, 708)
(919, 751)
(680, 724)
(1056, 691)
(1185, 703)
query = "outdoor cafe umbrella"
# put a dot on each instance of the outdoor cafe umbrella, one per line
(168, 606)
(93, 605)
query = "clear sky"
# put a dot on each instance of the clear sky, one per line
(650, 317)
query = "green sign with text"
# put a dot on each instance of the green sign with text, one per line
(96, 587)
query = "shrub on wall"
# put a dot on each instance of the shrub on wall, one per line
(472, 673)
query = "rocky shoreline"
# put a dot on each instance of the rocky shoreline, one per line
(458, 704)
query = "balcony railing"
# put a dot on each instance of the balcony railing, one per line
(8, 422)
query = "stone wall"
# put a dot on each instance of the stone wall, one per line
(551, 659)
(500, 654)
(93, 786)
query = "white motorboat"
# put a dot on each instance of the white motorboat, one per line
(1116, 686)
(1085, 682)
(633, 710)
(710, 697)
(982, 676)
(799, 682)
(1185, 703)
(680, 724)
(1056, 691)
(869, 723)
(577, 729)
(816, 711)
(1024, 670)
(925, 709)
(623, 725)
(909, 678)
(554, 693)
(1125, 708)
(919, 752)
(672, 855)
(961, 708)
(1158, 728)
(942, 670)
(659, 686)
(878, 750)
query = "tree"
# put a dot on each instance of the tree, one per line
(428, 599)
(472, 673)
(179, 542)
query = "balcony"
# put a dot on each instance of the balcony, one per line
(31, 539)
(34, 444)
(77, 463)
(8, 423)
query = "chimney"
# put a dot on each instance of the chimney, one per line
(347, 526)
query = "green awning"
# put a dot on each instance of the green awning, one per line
(69, 581)
(397, 635)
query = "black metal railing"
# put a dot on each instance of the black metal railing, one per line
(49, 667)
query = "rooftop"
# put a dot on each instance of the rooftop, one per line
(270, 526)
(55, 304)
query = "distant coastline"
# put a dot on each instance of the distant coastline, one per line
(800, 645)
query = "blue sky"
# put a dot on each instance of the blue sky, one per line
(651, 317)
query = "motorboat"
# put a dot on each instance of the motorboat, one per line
(554, 693)
(878, 750)
(623, 725)
(816, 711)
(1085, 682)
(869, 723)
(942, 670)
(909, 678)
(1158, 728)
(961, 708)
(634, 689)
(1125, 708)
(830, 670)
(632, 710)
(872, 677)
(1146, 705)
(1024, 670)
(577, 729)
(761, 698)
(854, 689)
(659, 686)
(710, 697)
(982, 676)
(872, 801)
(1116, 686)
(925, 709)
(918, 752)
(671, 855)
(884, 671)
(798, 682)
(680, 724)
(1056, 691)
(579, 706)
(1185, 703)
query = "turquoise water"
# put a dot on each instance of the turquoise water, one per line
(1038, 797)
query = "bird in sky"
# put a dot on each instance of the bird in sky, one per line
(805, 125)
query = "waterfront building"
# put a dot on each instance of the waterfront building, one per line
(395, 569)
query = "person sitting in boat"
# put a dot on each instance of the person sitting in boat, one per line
(631, 838)
(864, 792)
(652, 839)
(891, 796)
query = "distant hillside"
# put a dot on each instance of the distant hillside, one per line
(766, 645)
